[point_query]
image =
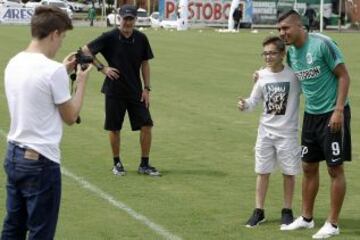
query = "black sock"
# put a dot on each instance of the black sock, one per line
(286, 210)
(144, 161)
(307, 219)
(335, 226)
(260, 210)
(117, 160)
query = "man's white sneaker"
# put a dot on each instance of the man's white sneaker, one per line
(297, 224)
(326, 231)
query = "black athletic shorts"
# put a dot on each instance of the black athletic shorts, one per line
(115, 109)
(319, 143)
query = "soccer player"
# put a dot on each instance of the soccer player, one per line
(277, 140)
(319, 65)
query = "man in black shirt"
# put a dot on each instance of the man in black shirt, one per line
(127, 52)
(310, 14)
(237, 16)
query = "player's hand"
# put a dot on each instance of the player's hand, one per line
(111, 72)
(145, 97)
(336, 121)
(242, 104)
(70, 62)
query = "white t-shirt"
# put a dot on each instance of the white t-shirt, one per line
(34, 85)
(280, 94)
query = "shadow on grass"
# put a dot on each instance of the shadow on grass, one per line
(350, 227)
(209, 173)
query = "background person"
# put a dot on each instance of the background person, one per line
(319, 65)
(310, 14)
(277, 140)
(237, 16)
(127, 52)
(92, 15)
(37, 92)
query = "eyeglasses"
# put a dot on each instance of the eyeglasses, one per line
(270, 53)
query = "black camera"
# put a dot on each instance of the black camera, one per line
(83, 59)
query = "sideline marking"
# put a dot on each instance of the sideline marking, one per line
(118, 204)
(141, 218)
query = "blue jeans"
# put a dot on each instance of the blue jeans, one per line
(33, 196)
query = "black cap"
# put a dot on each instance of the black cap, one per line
(128, 11)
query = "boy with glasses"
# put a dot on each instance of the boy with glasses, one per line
(277, 140)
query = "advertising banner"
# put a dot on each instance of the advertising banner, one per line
(267, 11)
(204, 12)
(16, 15)
(217, 12)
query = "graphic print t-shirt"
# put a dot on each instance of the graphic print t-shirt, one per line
(280, 94)
(276, 97)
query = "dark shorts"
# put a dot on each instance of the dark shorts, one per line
(115, 109)
(319, 143)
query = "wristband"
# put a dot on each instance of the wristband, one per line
(147, 88)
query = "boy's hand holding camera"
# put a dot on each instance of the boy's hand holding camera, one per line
(73, 60)
(70, 62)
(71, 109)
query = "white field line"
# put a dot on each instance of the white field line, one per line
(116, 203)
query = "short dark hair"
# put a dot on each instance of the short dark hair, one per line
(277, 41)
(287, 14)
(47, 19)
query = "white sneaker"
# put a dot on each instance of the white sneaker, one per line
(326, 231)
(297, 224)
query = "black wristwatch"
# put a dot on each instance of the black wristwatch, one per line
(100, 67)
(147, 88)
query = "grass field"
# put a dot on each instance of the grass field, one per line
(201, 143)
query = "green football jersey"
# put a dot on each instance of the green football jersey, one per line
(313, 65)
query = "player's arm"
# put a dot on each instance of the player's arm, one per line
(343, 77)
(145, 73)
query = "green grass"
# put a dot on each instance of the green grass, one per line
(201, 143)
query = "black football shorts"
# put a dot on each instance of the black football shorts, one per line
(115, 109)
(319, 143)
